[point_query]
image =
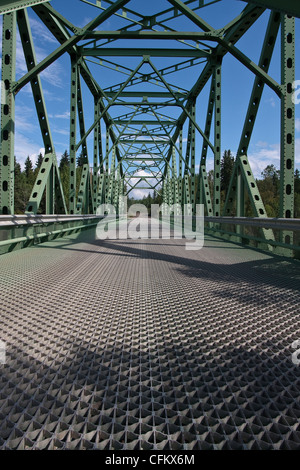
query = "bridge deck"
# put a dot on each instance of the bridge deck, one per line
(140, 344)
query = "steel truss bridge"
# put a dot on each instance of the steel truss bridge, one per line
(139, 343)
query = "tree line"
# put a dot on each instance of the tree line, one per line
(24, 179)
(268, 184)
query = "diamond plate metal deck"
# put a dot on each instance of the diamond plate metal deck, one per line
(140, 344)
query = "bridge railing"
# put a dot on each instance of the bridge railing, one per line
(281, 236)
(21, 231)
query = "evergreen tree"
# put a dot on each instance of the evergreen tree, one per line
(22, 187)
(210, 179)
(271, 173)
(81, 160)
(158, 197)
(64, 169)
(29, 173)
(39, 161)
(17, 169)
(269, 187)
(227, 164)
(65, 160)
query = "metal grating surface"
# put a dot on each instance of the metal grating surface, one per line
(140, 344)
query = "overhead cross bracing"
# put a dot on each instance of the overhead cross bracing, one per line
(145, 128)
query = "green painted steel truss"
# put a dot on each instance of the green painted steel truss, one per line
(150, 123)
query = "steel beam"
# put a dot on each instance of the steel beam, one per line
(287, 153)
(156, 132)
(162, 35)
(97, 136)
(56, 25)
(67, 45)
(8, 6)
(217, 141)
(234, 32)
(194, 17)
(138, 122)
(290, 7)
(130, 52)
(145, 142)
(8, 114)
(204, 196)
(73, 132)
(193, 157)
(81, 119)
(83, 192)
(255, 99)
(53, 186)
(147, 94)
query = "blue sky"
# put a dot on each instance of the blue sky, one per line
(236, 85)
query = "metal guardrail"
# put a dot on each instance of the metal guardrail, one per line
(281, 236)
(20, 231)
(15, 220)
(279, 224)
(287, 245)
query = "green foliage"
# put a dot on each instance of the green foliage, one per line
(23, 185)
(268, 184)
(154, 198)
(29, 173)
(269, 188)
(39, 162)
(25, 179)
(227, 164)
(210, 179)
(81, 160)
(64, 161)
(64, 169)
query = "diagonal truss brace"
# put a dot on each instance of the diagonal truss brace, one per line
(242, 163)
(36, 86)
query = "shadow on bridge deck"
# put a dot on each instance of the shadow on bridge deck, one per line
(141, 344)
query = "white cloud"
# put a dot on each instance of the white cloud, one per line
(262, 144)
(65, 115)
(24, 119)
(271, 101)
(138, 193)
(41, 33)
(25, 147)
(184, 140)
(53, 73)
(61, 131)
(297, 125)
(266, 155)
(85, 22)
(297, 153)
(269, 155)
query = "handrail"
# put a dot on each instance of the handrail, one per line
(262, 222)
(15, 220)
